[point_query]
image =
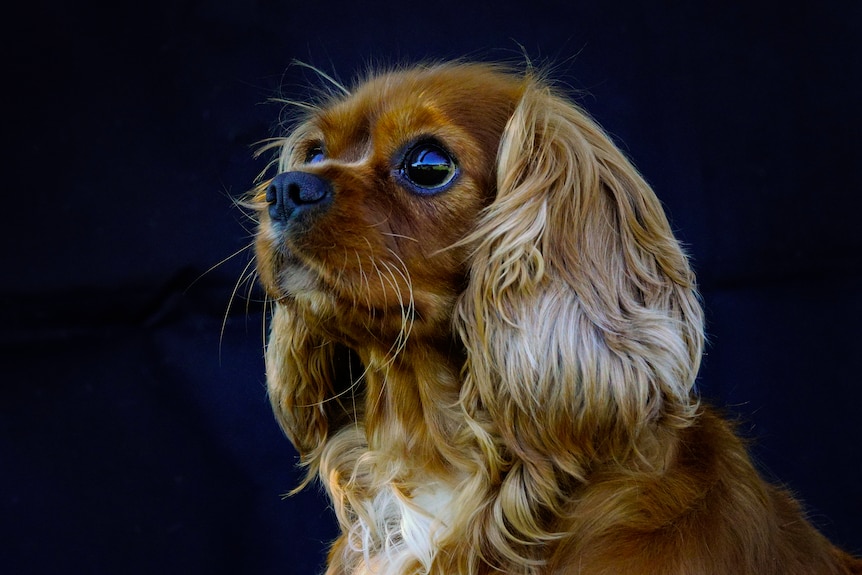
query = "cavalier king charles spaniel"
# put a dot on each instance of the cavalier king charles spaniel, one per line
(484, 340)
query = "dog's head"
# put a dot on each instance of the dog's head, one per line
(476, 212)
(376, 189)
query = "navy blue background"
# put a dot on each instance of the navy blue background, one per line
(135, 435)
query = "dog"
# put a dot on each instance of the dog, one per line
(484, 341)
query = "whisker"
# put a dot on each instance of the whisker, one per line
(265, 312)
(382, 285)
(402, 236)
(373, 262)
(407, 311)
(443, 250)
(353, 395)
(352, 387)
(364, 277)
(216, 265)
(251, 281)
(339, 278)
(380, 393)
(244, 276)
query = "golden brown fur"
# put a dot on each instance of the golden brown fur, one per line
(497, 376)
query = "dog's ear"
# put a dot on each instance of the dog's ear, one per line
(300, 374)
(581, 320)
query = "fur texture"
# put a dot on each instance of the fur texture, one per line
(494, 373)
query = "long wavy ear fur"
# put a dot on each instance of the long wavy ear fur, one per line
(581, 320)
(302, 375)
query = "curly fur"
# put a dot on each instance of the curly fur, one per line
(498, 377)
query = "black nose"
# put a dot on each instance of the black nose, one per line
(290, 194)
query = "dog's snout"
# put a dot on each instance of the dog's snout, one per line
(292, 193)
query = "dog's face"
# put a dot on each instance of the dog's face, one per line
(361, 229)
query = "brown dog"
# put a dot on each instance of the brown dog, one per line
(484, 340)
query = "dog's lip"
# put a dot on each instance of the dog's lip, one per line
(293, 228)
(296, 280)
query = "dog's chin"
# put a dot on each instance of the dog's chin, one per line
(297, 281)
(301, 288)
(286, 275)
(359, 318)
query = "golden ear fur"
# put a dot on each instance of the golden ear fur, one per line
(300, 379)
(581, 319)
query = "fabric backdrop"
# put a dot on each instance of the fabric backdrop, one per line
(135, 434)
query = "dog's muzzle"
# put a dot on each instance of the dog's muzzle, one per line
(294, 196)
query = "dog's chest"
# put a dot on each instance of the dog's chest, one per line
(397, 532)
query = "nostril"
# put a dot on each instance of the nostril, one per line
(292, 193)
(300, 195)
(271, 193)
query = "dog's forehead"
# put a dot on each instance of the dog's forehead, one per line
(396, 99)
(472, 99)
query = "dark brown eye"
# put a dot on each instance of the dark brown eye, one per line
(428, 168)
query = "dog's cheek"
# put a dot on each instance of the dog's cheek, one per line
(444, 221)
(426, 236)
(266, 261)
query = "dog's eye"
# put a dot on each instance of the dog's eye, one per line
(314, 155)
(428, 168)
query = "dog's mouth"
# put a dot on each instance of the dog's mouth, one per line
(353, 301)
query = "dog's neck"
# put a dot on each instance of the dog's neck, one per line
(411, 403)
(412, 410)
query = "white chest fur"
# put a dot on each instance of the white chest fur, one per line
(396, 534)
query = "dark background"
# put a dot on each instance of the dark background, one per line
(135, 434)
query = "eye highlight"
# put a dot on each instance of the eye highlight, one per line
(428, 168)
